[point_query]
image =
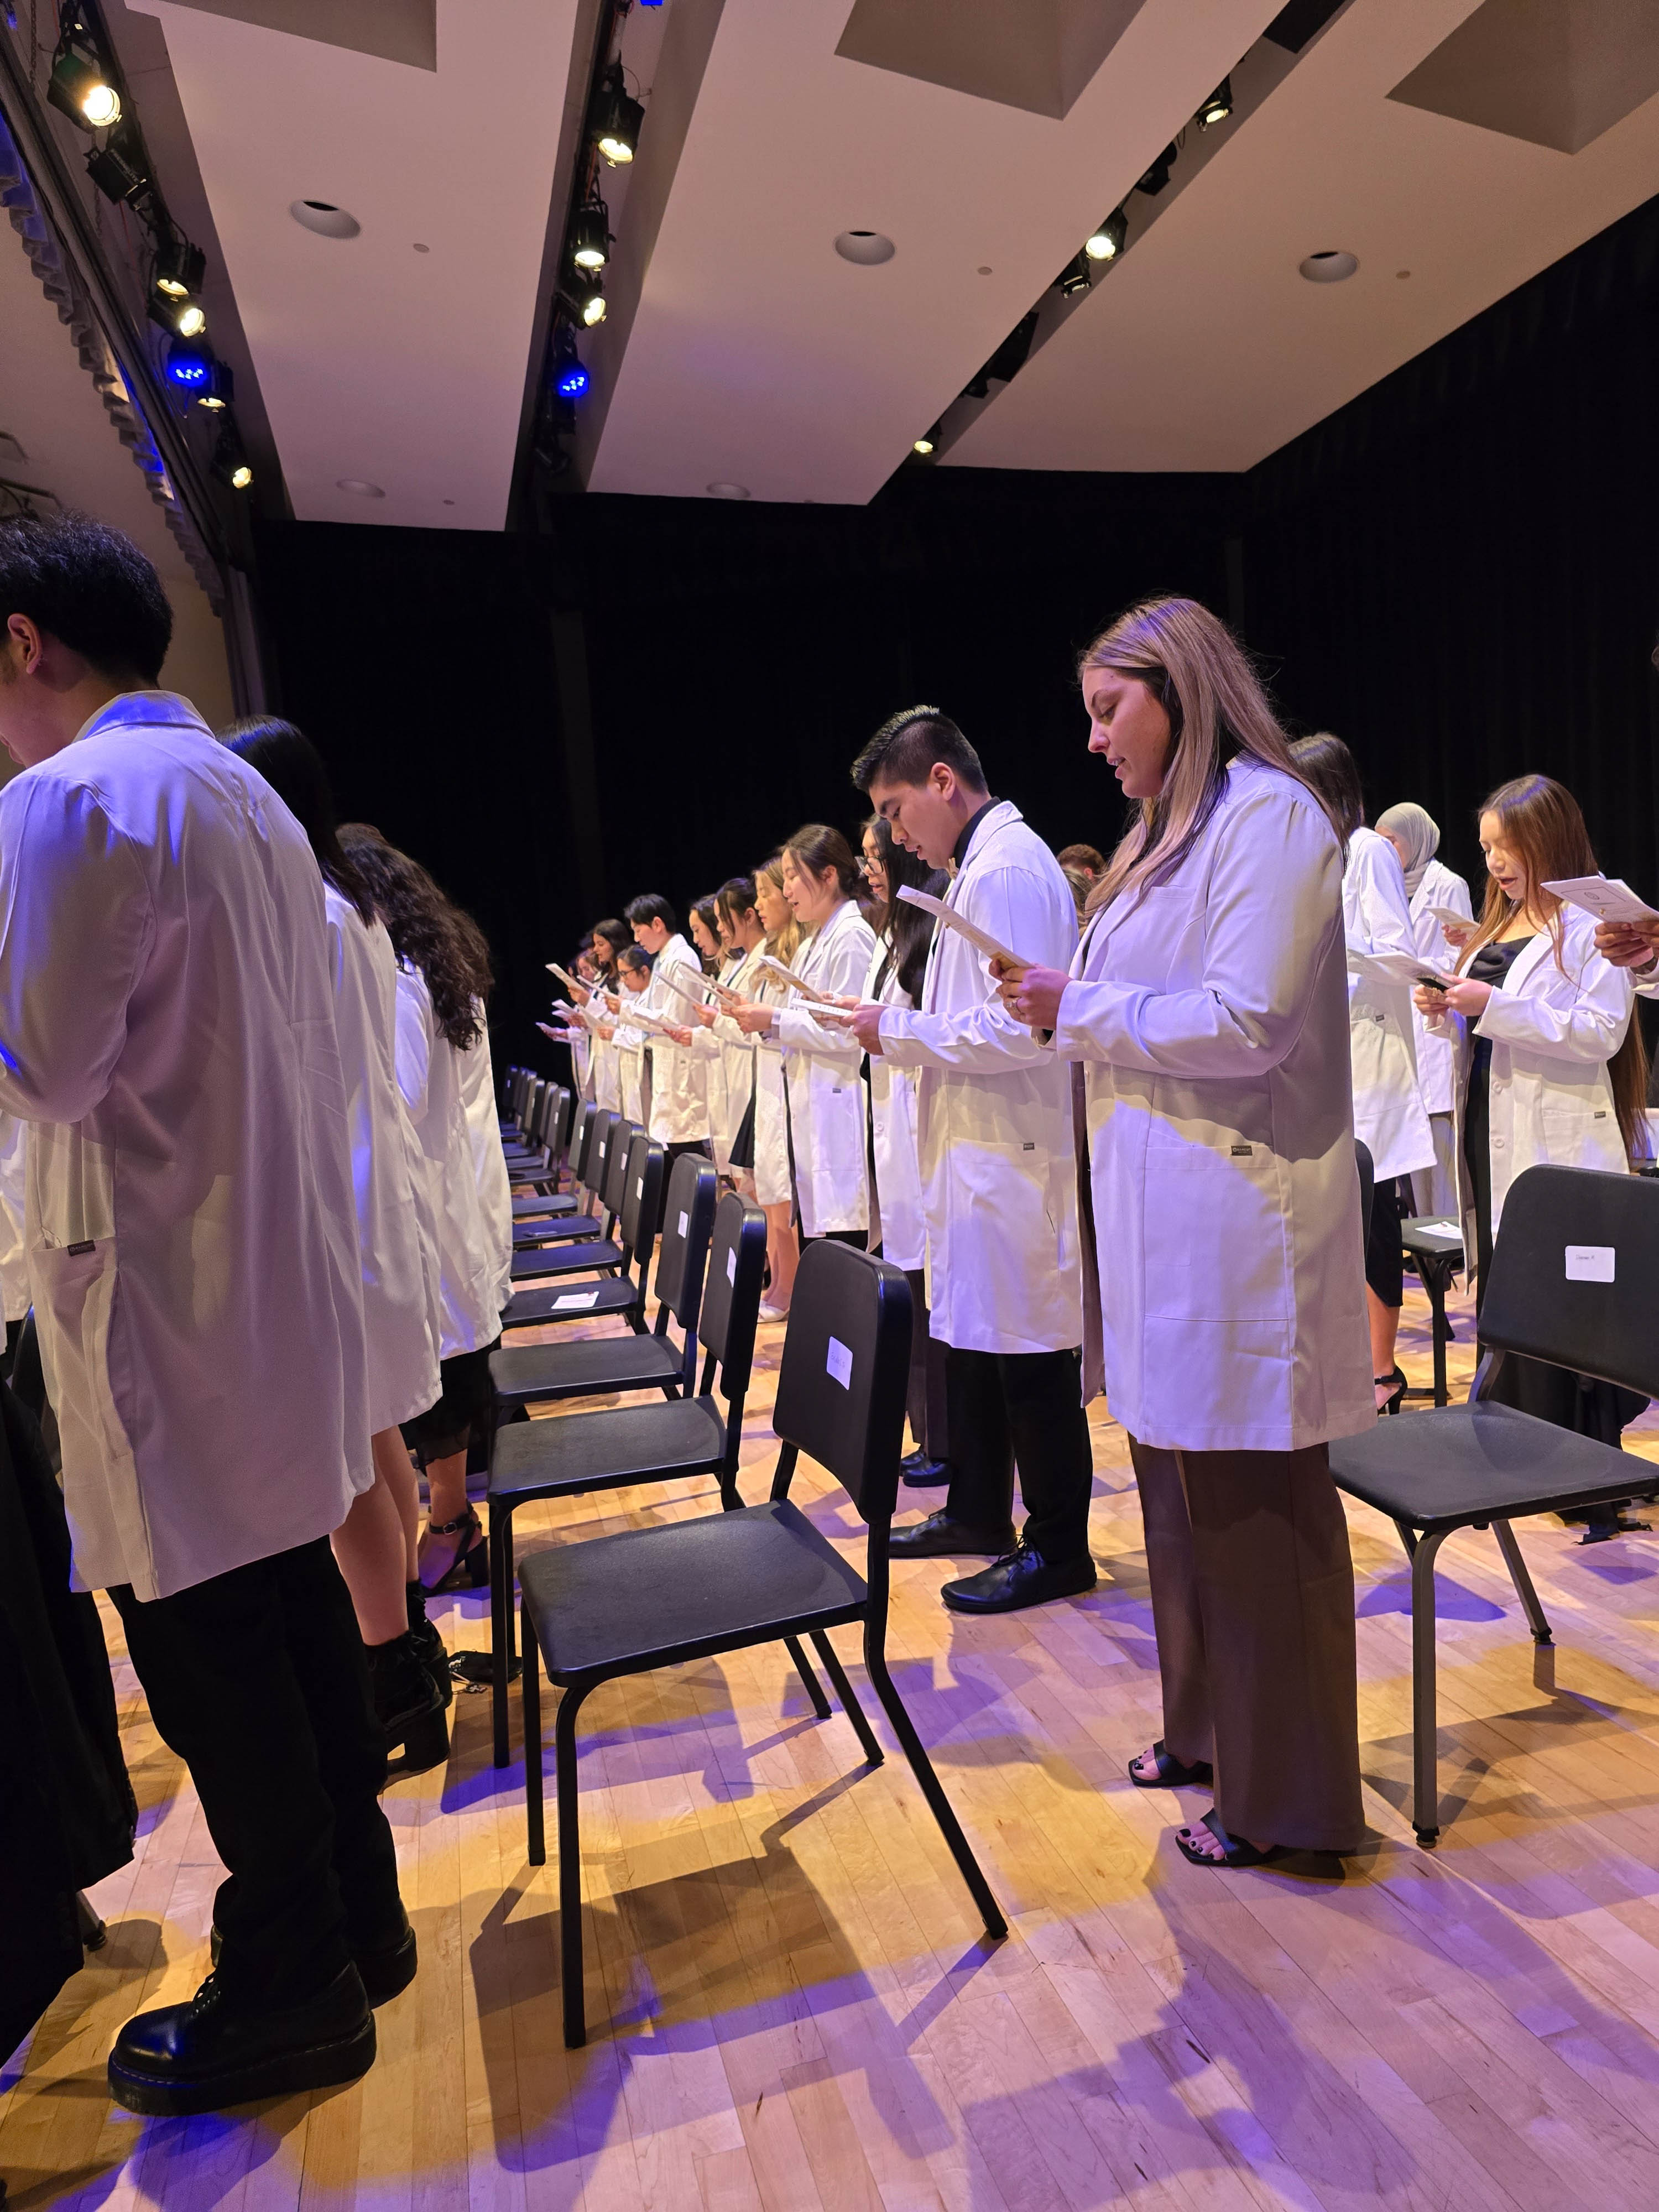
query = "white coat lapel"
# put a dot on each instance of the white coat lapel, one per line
(1542, 947)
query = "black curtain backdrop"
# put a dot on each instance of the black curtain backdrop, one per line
(1459, 573)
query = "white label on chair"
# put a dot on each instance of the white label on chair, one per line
(576, 1302)
(684, 1224)
(639, 1187)
(838, 1362)
(731, 1265)
(1589, 1263)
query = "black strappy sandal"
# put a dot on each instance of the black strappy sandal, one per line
(1391, 1403)
(470, 1568)
(1172, 1774)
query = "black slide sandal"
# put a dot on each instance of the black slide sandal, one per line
(1172, 1775)
(1235, 1853)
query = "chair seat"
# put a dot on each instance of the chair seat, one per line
(590, 1452)
(560, 1302)
(649, 1597)
(1463, 1463)
(540, 1203)
(556, 1230)
(574, 1370)
(1425, 1234)
(566, 1259)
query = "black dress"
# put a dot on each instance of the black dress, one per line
(1578, 1402)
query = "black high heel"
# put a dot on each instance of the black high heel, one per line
(1390, 1404)
(470, 1568)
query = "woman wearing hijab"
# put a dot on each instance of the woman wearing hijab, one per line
(1430, 884)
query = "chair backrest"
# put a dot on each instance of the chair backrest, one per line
(597, 1166)
(845, 1373)
(1575, 1274)
(732, 1297)
(1362, 1153)
(687, 1223)
(581, 1128)
(642, 1209)
(558, 1127)
(516, 1078)
(617, 1173)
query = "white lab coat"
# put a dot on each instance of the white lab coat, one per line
(742, 975)
(1437, 1055)
(706, 1047)
(893, 1135)
(1388, 1114)
(13, 1252)
(429, 1076)
(679, 1099)
(821, 1071)
(1211, 1016)
(629, 1045)
(994, 1110)
(401, 1316)
(773, 1185)
(1549, 1096)
(167, 1026)
(483, 1129)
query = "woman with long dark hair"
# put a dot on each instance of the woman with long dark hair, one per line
(443, 973)
(375, 1545)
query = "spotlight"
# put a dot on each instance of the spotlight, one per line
(590, 236)
(591, 297)
(220, 389)
(569, 377)
(79, 89)
(1074, 277)
(114, 177)
(185, 318)
(180, 268)
(1218, 107)
(230, 463)
(1106, 241)
(190, 367)
(617, 119)
(927, 444)
(1159, 175)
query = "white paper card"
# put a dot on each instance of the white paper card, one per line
(1449, 916)
(980, 939)
(685, 1223)
(1607, 897)
(1396, 968)
(1443, 1228)
(1589, 1263)
(576, 1302)
(808, 991)
(838, 1362)
(731, 1266)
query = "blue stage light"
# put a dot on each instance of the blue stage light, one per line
(188, 367)
(571, 379)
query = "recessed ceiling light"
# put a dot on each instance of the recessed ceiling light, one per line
(728, 491)
(324, 218)
(419, 248)
(360, 485)
(449, 503)
(1402, 273)
(984, 269)
(1330, 267)
(866, 248)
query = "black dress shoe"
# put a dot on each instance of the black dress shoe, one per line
(407, 1703)
(387, 1968)
(938, 1535)
(922, 1472)
(1025, 1577)
(215, 2051)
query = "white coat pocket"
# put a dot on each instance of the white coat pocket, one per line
(1216, 1239)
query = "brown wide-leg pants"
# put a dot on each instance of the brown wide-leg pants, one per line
(1253, 1602)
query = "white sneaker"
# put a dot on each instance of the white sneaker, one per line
(769, 1312)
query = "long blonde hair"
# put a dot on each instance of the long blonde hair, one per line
(787, 943)
(1194, 665)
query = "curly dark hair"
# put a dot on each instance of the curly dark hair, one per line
(426, 930)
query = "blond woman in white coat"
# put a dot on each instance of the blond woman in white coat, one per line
(999, 1177)
(677, 1099)
(1551, 1069)
(741, 937)
(1432, 890)
(1208, 1004)
(753, 1014)
(821, 1061)
(1388, 1114)
(710, 941)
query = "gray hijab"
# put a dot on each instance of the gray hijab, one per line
(1419, 832)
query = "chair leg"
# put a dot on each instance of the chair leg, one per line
(570, 1870)
(1522, 1581)
(1407, 1536)
(1426, 1779)
(809, 1681)
(530, 1687)
(937, 1803)
(837, 1674)
(1436, 1282)
(501, 1618)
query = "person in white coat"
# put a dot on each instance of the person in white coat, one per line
(711, 936)
(166, 1029)
(375, 1545)
(1432, 891)
(1208, 1005)
(1552, 1068)
(998, 1176)
(741, 936)
(14, 1255)
(760, 996)
(627, 1039)
(1388, 1114)
(678, 1099)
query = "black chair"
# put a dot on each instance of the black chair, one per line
(610, 1143)
(544, 1196)
(1575, 1281)
(587, 1253)
(590, 1163)
(521, 1140)
(755, 1574)
(621, 1290)
(625, 1444)
(1435, 1248)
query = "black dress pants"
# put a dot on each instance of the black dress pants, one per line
(256, 1679)
(1024, 1408)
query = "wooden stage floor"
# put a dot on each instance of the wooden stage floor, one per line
(792, 2007)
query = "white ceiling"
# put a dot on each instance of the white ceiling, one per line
(398, 369)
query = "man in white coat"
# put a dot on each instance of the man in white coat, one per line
(167, 1029)
(994, 1127)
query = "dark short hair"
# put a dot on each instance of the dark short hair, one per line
(651, 906)
(906, 747)
(1330, 768)
(634, 955)
(89, 586)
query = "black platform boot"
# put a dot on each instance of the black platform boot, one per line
(213, 2051)
(429, 1645)
(407, 1703)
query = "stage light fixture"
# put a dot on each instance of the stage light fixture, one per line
(114, 176)
(1106, 241)
(185, 318)
(1074, 277)
(569, 377)
(617, 119)
(180, 268)
(589, 235)
(220, 389)
(190, 367)
(927, 444)
(1159, 175)
(230, 463)
(1218, 107)
(78, 88)
(592, 296)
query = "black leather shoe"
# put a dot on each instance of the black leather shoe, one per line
(939, 1536)
(213, 2052)
(922, 1472)
(429, 1647)
(407, 1703)
(386, 1968)
(1025, 1577)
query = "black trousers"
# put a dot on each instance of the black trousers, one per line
(924, 1400)
(1024, 1408)
(256, 1679)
